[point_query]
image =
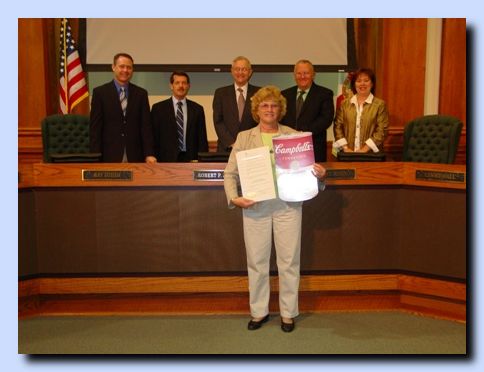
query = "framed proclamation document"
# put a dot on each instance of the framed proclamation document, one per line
(255, 173)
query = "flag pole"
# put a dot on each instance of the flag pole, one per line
(66, 81)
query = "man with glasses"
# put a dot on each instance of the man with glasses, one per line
(310, 107)
(231, 105)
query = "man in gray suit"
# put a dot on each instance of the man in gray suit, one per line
(231, 105)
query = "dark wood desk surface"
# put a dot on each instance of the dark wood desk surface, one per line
(181, 174)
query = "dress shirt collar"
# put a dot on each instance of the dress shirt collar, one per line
(368, 99)
(306, 91)
(176, 100)
(244, 88)
(118, 87)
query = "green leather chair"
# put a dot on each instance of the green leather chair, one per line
(432, 139)
(65, 139)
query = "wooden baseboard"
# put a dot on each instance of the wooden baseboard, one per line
(229, 295)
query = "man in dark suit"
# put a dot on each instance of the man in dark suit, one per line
(120, 125)
(179, 124)
(310, 107)
(231, 105)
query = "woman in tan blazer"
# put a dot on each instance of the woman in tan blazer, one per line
(268, 218)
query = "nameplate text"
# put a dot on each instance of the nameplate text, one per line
(432, 175)
(340, 174)
(107, 175)
(208, 175)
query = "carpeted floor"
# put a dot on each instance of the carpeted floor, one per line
(327, 333)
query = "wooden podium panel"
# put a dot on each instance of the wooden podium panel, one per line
(164, 221)
(382, 219)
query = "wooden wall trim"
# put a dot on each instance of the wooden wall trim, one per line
(231, 284)
(30, 140)
(432, 287)
(209, 294)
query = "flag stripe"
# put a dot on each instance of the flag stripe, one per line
(76, 93)
(76, 83)
(75, 100)
(72, 81)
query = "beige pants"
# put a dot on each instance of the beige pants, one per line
(284, 219)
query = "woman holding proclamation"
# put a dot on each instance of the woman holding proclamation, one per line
(361, 122)
(263, 219)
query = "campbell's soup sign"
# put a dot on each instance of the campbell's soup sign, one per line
(294, 156)
(294, 151)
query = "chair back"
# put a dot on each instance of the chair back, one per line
(65, 138)
(432, 139)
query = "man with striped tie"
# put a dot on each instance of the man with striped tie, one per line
(178, 124)
(120, 126)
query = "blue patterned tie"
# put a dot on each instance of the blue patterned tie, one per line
(179, 125)
(123, 99)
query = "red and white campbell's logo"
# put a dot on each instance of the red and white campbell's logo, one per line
(300, 147)
(293, 152)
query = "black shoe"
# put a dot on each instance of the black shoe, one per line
(253, 325)
(287, 327)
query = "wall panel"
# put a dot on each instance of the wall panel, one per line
(453, 69)
(32, 81)
(403, 69)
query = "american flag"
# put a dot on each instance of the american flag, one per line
(73, 87)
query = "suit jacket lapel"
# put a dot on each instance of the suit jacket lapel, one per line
(171, 112)
(309, 98)
(131, 99)
(251, 90)
(190, 115)
(293, 94)
(255, 138)
(291, 104)
(115, 99)
(232, 102)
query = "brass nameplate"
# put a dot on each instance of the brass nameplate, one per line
(340, 174)
(432, 175)
(208, 175)
(107, 175)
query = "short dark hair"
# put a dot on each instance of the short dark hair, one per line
(125, 55)
(179, 73)
(361, 71)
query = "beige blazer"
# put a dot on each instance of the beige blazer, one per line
(246, 140)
